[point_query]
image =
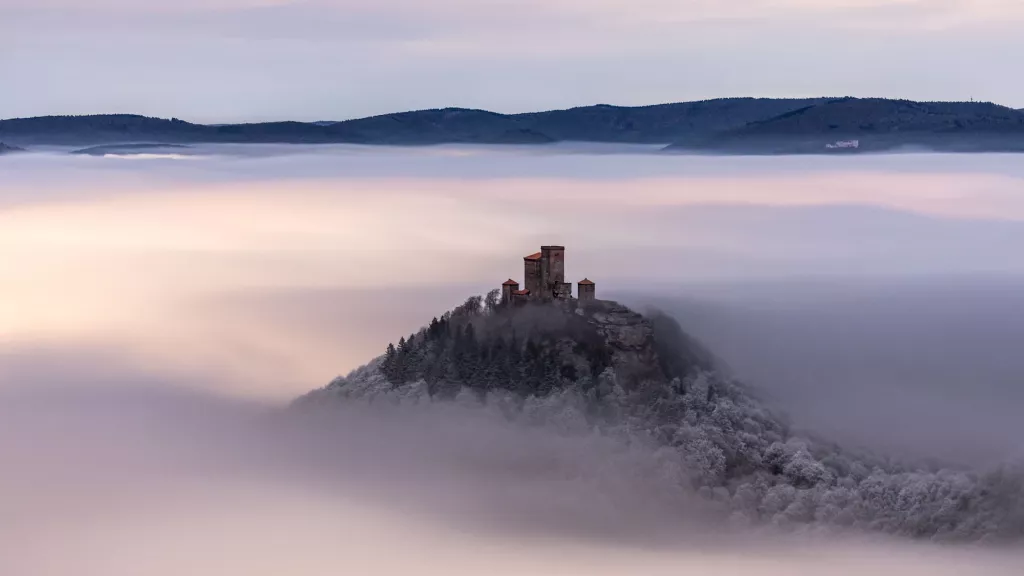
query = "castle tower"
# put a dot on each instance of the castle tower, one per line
(552, 270)
(507, 289)
(587, 291)
(532, 273)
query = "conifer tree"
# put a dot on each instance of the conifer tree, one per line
(390, 360)
(400, 361)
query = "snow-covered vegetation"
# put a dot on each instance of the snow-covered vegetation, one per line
(709, 432)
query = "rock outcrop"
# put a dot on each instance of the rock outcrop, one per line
(630, 337)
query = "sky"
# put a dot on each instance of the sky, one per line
(257, 60)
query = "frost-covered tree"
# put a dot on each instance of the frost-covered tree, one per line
(725, 445)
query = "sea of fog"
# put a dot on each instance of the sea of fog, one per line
(154, 306)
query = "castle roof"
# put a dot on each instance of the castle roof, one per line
(510, 282)
(586, 282)
(521, 292)
(536, 256)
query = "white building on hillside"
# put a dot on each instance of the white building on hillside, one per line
(844, 144)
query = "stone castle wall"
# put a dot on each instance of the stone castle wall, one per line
(532, 275)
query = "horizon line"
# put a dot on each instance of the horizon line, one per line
(471, 109)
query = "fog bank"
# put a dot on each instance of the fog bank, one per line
(155, 309)
(108, 480)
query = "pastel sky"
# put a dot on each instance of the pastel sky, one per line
(251, 60)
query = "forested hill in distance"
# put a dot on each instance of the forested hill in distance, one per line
(877, 125)
(5, 149)
(733, 125)
(661, 124)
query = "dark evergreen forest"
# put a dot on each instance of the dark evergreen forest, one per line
(530, 350)
(483, 345)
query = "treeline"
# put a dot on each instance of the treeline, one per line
(478, 346)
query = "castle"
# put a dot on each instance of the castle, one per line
(544, 275)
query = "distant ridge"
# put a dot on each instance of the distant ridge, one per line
(878, 125)
(655, 124)
(5, 149)
(729, 125)
(126, 149)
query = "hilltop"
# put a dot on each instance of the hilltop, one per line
(534, 349)
(877, 125)
(599, 367)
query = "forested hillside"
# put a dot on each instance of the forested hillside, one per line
(878, 125)
(578, 370)
(727, 125)
(537, 348)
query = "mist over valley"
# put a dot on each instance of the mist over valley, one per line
(163, 305)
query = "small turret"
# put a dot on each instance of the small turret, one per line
(507, 289)
(587, 290)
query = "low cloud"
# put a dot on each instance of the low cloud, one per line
(117, 472)
(118, 462)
